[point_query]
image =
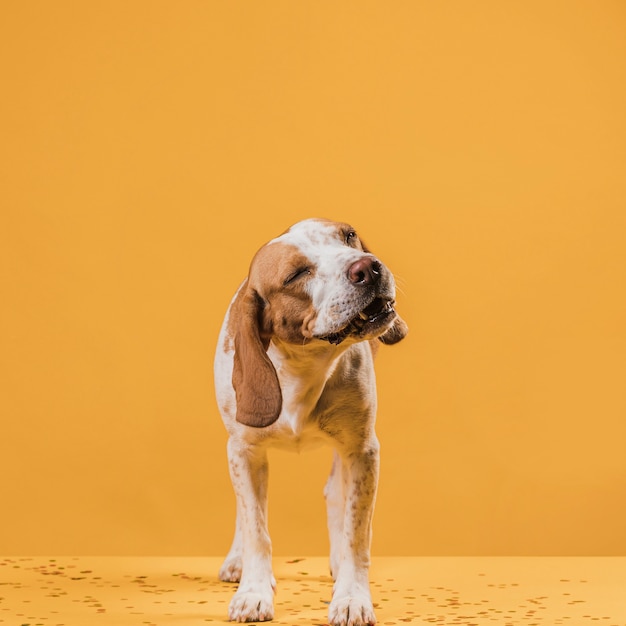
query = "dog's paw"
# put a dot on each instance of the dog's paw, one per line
(251, 607)
(351, 610)
(230, 572)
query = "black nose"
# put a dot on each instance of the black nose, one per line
(365, 271)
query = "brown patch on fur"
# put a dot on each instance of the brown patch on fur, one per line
(268, 305)
(288, 311)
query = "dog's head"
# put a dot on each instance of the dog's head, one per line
(316, 284)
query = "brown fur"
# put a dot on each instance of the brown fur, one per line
(295, 362)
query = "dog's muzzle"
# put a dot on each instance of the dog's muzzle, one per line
(375, 317)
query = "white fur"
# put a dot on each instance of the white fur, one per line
(329, 396)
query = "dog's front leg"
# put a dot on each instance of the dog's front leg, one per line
(335, 495)
(254, 600)
(231, 568)
(352, 604)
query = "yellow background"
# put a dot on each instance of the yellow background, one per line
(149, 148)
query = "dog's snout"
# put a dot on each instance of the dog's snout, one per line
(365, 271)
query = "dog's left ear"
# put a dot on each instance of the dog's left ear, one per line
(397, 332)
(259, 398)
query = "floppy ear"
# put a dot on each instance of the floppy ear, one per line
(259, 399)
(397, 332)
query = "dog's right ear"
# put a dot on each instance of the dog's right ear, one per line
(396, 332)
(259, 399)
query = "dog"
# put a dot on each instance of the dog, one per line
(293, 366)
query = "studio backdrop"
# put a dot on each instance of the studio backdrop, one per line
(150, 147)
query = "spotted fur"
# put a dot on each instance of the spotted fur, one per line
(294, 368)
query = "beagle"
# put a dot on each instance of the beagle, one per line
(293, 367)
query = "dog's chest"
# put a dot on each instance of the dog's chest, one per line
(302, 384)
(283, 437)
(298, 426)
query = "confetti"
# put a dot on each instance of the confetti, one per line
(161, 591)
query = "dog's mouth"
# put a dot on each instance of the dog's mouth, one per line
(371, 319)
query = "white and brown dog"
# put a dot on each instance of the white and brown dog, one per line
(294, 366)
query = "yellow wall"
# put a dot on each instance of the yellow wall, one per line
(148, 149)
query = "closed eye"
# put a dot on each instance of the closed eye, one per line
(299, 273)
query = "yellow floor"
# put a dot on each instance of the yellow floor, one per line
(107, 591)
